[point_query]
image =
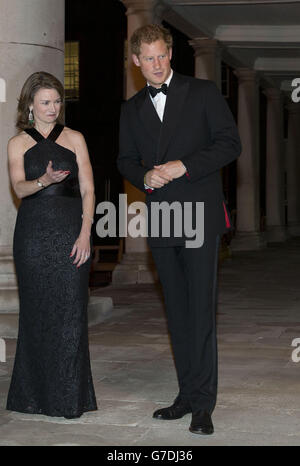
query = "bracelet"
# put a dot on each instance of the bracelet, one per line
(91, 219)
(40, 184)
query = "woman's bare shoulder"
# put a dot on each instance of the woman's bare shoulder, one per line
(19, 140)
(75, 137)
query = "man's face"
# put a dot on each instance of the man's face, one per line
(155, 62)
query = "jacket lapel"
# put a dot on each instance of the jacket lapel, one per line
(148, 114)
(176, 97)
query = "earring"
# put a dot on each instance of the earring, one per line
(30, 117)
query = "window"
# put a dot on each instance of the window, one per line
(72, 70)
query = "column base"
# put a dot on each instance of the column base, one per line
(9, 297)
(294, 229)
(136, 267)
(9, 325)
(99, 309)
(276, 234)
(248, 241)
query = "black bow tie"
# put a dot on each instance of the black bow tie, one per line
(154, 90)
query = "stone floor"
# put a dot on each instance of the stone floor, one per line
(259, 384)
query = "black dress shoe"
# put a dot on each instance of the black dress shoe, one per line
(201, 423)
(176, 411)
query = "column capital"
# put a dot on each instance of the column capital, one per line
(246, 74)
(205, 45)
(272, 93)
(135, 6)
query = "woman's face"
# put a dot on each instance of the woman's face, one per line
(46, 105)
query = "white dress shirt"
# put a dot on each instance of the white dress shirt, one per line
(159, 101)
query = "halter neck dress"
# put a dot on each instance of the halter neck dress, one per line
(52, 373)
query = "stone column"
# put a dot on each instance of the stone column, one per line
(31, 39)
(137, 264)
(207, 59)
(248, 236)
(293, 169)
(276, 230)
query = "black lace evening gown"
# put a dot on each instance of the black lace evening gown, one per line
(52, 373)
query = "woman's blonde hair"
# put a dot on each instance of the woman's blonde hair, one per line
(149, 34)
(35, 82)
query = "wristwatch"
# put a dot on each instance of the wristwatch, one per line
(40, 184)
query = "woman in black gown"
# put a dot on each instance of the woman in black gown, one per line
(51, 172)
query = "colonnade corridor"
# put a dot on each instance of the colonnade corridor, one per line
(259, 382)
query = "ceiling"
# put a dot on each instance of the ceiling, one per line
(263, 35)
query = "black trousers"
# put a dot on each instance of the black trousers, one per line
(189, 280)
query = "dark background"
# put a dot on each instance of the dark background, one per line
(101, 34)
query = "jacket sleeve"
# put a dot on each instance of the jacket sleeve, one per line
(225, 142)
(129, 160)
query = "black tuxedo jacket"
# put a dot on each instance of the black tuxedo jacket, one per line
(198, 129)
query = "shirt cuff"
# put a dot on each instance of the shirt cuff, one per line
(148, 188)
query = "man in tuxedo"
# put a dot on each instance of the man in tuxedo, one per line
(175, 136)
